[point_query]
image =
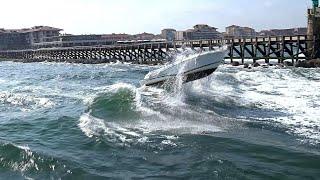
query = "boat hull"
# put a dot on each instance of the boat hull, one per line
(191, 69)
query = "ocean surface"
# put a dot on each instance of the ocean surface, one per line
(75, 121)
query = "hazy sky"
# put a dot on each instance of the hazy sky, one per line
(134, 16)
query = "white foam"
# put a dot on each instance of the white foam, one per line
(297, 96)
(278, 90)
(25, 100)
(92, 126)
(113, 132)
(25, 148)
(168, 142)
(126, 133)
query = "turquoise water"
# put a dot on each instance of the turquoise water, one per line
(73, 121)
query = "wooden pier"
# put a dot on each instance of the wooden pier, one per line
(266, 48)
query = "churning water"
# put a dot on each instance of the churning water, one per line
(95, 121)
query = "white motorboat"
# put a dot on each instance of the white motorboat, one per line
(191, 68)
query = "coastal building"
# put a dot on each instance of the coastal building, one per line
(69, 40)
(169, 34)
(39, 34)
(80, 40)
(199, 31)
(239, 32)
(284, 32)
(143, 36)
(12, 39)
(116, 37)
(180, 35)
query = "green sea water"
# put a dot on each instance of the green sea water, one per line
(72, 121)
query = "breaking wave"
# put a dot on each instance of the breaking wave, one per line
(126, 114)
